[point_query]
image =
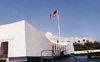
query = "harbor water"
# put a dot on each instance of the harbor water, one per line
(70, 59)
(78, 59)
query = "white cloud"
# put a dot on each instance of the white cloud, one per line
(49, 34)
(52, 37)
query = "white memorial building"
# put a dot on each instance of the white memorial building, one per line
(20, 40)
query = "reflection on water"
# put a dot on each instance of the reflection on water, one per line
(78, 59)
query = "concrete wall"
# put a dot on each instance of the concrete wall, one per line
(69, 48)
(24, 40)
(36, 42)
(15, 35)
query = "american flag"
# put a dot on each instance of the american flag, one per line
(53, 14)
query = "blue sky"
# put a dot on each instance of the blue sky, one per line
(78, 18)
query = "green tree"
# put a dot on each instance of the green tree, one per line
(87, 45)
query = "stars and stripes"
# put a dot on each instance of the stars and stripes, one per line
(53, 14)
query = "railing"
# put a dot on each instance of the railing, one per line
(44, 51)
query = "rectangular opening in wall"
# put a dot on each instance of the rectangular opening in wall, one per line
(4, 49)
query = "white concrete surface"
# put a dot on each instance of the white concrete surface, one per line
(69, 48)
(36, 42)
(86, 51)
(23, 39)
(14, 33)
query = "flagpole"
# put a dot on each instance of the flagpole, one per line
(58, 25)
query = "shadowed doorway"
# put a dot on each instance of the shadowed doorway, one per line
(4, 49)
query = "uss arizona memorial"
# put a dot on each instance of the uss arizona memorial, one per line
(21, 40)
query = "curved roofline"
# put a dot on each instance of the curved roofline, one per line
(13, 22)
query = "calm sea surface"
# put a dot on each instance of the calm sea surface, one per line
(78, 59)
(72, 59)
